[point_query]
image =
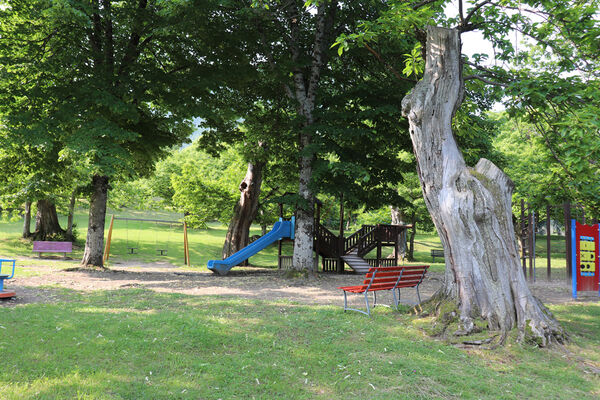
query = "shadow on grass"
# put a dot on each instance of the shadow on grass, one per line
(137, 343)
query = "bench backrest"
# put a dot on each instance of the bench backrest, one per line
(53, 246)
(392, 277)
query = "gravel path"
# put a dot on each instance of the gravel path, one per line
(253, 283)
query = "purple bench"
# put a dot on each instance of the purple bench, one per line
(52, 247)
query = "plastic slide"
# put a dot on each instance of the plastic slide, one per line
(281, 229)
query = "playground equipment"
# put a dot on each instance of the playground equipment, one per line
(337, 250)
(281, 229)
(6, 293)
(132, 249)
(584, 257)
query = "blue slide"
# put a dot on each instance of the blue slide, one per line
(281, 229)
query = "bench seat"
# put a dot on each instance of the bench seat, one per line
(437, 253)
(386, 278)
(52, 247)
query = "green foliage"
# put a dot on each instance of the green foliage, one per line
(414, 64)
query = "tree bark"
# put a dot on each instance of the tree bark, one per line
(46, 222)
(71, 213)
(471, 207)
(400, 248)
(94, 243)
(411, 240)
(27, 220)
(244, 211)
(306, 82)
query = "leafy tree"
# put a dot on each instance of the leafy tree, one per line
(104, 79)
(471, 206)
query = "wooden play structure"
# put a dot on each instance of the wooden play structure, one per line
(337, 250)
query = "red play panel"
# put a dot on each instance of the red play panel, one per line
(586, 268)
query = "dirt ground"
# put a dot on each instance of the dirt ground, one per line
(252, 283)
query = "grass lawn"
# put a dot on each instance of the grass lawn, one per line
(139, 344)
(147, 237)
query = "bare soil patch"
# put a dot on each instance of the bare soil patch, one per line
(252, 283)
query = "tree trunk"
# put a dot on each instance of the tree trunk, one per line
(306, 82)
(27, 221)
(46, 222)
(94, 243)
(71, 212)
(411, 240)
(471, 207)
(400, 248)
(244, 211)
(302, 258)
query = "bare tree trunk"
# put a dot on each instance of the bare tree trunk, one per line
(244, 211)
(27, 221)
(471, 207)
(71, 212)
(411, 241)
(397, 219)
(46, 222)
(94, 243)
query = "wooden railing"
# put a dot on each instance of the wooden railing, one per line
(330, 264)
(285, 262)
(328, 243)
(358, 237)
(384, 262)
(368, 241)
(388, 233)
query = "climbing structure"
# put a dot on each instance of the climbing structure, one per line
(352, 250)
(337, 250)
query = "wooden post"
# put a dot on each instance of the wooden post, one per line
(186, 245)
(340, 266)
(108, 239)
(522, 237)
(530, 244)
(567, 212)
(317, 241)
(378, 252)
(279, 242)
(548, 245)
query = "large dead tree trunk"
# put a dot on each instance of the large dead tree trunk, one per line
(471, 207)
(94, 243)
(46, 222)
(244, 211)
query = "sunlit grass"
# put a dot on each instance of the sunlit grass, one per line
(138, 344)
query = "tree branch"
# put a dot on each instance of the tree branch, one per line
(482, 78)
(132, 50)
(466, 20)
(388, 66)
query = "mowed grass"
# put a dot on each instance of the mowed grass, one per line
(139, 344)
(145, 237)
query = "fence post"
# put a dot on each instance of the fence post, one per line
(567, 212)
(522, 238)
(548, 244)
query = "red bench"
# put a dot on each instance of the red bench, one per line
(52, 247)
(386, 278)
